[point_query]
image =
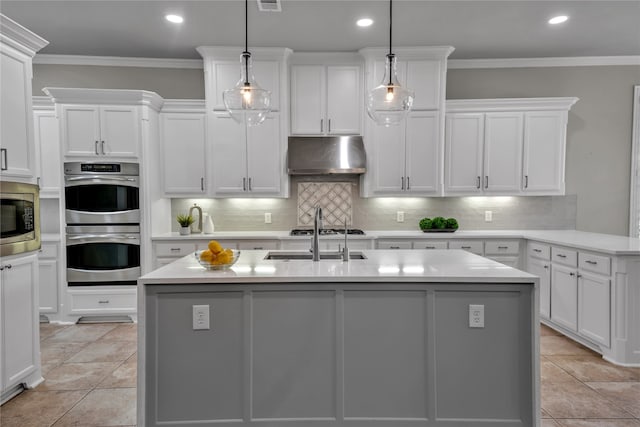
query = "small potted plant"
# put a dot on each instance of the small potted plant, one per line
(185, 222)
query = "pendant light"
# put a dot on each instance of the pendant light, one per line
(389, 103)
(247, 102)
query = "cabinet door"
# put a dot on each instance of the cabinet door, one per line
(343, 100)
(267, 73)
(542, 269)
(564, 297)
(502, 152)
(16, 129)
(422, 153)
(183, 142)
(19, 319)
(463, 153)
(424, 78)
(81, 130)
(308, 96)
(388, 159)
(229, 155)
(594, 308)
(47, 140)
(48, 296)
(119, 131)
(544, 149)
(264, 166)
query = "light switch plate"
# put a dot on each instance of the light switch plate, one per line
(400, 216)
(488, 216)
(267, 217)
(200, 317)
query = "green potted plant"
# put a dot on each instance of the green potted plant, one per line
(438, 224)
(185, 222)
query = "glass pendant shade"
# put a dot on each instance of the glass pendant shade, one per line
(389, 103)
(247, 102)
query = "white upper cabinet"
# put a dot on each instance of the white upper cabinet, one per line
(325, 100)
(17, 147)
(183, 150)
(406, 160)
(47, 141)
(246, 161)
(505, 146)
(544, 152)
(99, 124)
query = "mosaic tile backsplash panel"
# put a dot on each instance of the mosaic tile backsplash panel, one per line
(333, 197)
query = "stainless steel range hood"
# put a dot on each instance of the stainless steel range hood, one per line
(322, 155)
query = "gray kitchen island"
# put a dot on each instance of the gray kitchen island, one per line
(401, 338)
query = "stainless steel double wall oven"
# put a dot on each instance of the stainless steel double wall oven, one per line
(102, 202)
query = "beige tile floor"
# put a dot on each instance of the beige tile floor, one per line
(90, 372)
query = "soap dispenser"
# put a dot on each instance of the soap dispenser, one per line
(208, 224)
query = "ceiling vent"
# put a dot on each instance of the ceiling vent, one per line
(269, 5)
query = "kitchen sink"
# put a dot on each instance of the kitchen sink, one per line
(305, 255)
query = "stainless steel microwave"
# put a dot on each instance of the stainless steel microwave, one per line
(19, 218)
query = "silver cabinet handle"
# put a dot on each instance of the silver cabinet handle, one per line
(104, 301)
(465, 247)
(408, 185)
(394, 247)
(537, 250)
(103, 153)
(258, 248)
(97, 153)
(478, 184)
(244, 184)
(402, 183)
(546, 266)
(429, 247)
(486, 181)
(5, 160)
(329, 130)
(572, 274)
(579, 275)
(591, 262)
(321, 125)
(503, 247)
(526, 181)
(174, 249)
(561, 255)
(249, 183)
(202, 183)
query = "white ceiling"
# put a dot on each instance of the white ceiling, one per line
(476, 28)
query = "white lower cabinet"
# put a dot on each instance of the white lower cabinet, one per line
(594, 302)
(542, 269)
(564, 296)
(19, 324)
(103, 301)
(395, 244)
(473, 246)
(430, 244)
(50, 269)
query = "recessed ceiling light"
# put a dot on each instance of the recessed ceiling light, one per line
(364, 22)
(176, 19)
(558, 19)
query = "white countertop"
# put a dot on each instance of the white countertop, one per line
(607, 243)
(396, 266)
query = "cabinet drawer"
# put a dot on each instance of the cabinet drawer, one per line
(48, 250)
(540, 251)
(595, 263)
(473, 246)
(175, 249)
(116, 302)
(502, 247)
(257, 245)
(564, 256)
(394, 245)
(430, 244)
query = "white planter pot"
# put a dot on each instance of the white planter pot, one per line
(185, 231)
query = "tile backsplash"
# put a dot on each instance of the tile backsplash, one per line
(531, 212)
(333, 197)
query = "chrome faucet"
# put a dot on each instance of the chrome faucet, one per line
(345, 250)
(198, 227)
(317, 226)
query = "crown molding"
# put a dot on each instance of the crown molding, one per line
(232, 53)
(41, 103)
(117, 61)
(577, 61)
(418, 52)
(184, 106)
(19, 37)
(104, 96)
(509, 104)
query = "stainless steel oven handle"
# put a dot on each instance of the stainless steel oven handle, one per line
(101, 238)
(99, 177)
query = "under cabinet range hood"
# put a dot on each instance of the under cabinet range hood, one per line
(323, 155)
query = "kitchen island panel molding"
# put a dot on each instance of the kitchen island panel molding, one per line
(336, 354)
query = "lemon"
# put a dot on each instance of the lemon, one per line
(215, 247)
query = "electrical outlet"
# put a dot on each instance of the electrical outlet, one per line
(488, 216)
(267, 217)
(200, 317)
(476, 316)
(400, 216)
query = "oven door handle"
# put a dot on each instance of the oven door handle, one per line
(97, 179)
(102, 238)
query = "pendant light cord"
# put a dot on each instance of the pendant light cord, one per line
(390, 56)
(246, 42)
